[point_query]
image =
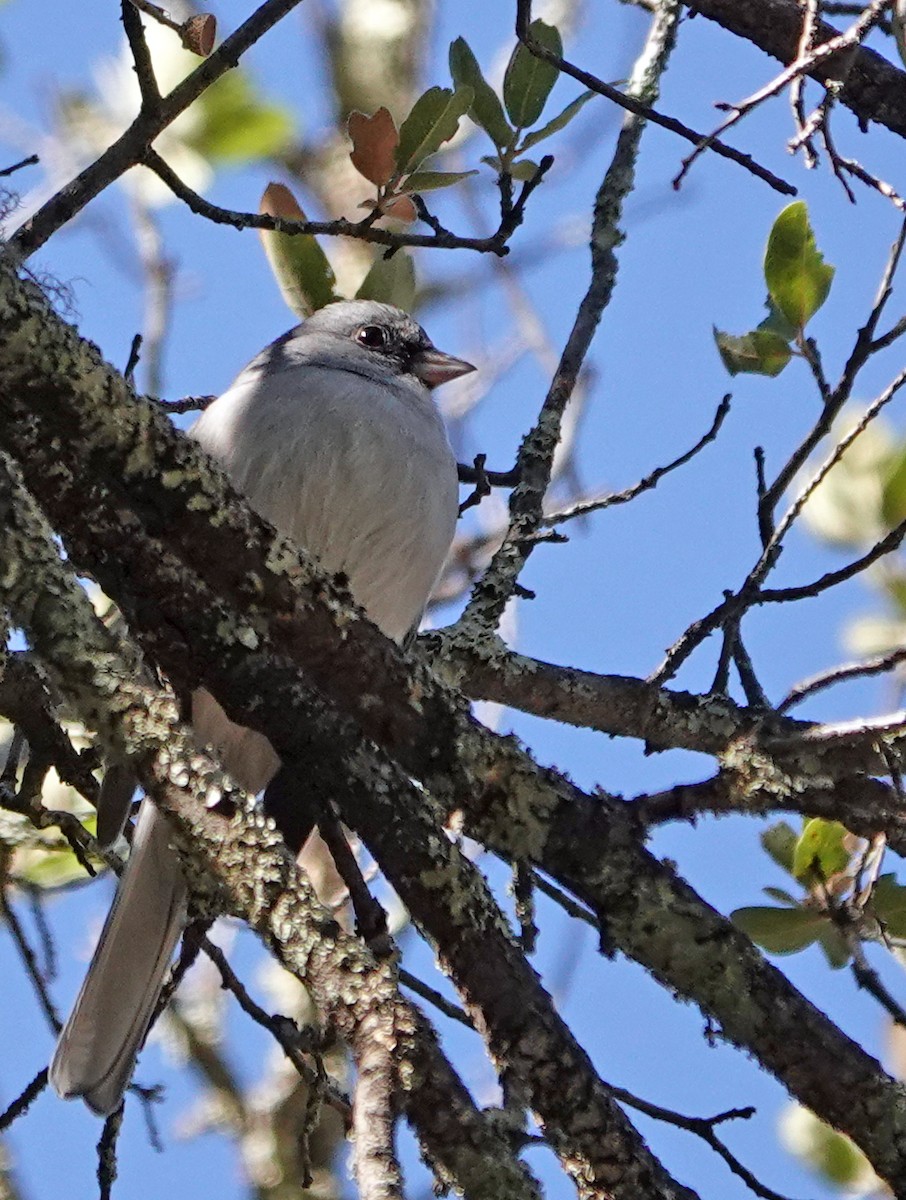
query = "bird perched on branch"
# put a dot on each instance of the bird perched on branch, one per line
(332, 434)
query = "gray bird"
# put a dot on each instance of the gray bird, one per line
(332, 434)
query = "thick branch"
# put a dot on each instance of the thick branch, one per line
(77, 425)
(223, 833)
(535, 1050)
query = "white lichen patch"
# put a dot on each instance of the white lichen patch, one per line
(242, 634)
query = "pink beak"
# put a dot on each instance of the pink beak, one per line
(433, 367)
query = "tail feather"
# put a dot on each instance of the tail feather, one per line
(96, 1052)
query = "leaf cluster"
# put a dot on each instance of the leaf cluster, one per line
(827, 860)
(798, 282)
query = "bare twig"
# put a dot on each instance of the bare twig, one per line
(840, 674)
(135, 354)
(30, 963)
(830, 579)
(484, 480)
(106, 1148)
(651, 480)
(536, 455)
(185, 404)
(141, 56)
(864, 346)
(433, 996)
(868, 978)
(736, 603)
(294, 1042)
(127, 150)
(23, 1101)
(703, 1127)
(803, 65)
(639, 107)
(364, 230)
(30, 161)
(805, 128)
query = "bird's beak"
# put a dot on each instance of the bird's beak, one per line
(433, 367)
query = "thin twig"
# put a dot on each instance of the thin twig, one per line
(803, 64)
(830, 579)
(805, 131)
(106, 1149)
(293, 1041)
(536, 454)
(735, 604)
(840, 674)
(185, 404)
(583, 507)
(440, 1002)
(135, 353)
(364, 230)
(30, 963)
(24, 1100)
(141, 56)
(863, 347)
(370, 917)
(703, 1127)
(870, 981)
(31, 161)
(638, 107)
(126, 151)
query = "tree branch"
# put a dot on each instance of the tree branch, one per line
(78, 431)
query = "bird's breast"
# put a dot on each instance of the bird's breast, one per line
(360, 475)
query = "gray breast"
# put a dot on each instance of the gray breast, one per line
(360, 475)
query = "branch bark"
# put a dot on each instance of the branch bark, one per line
(89, 448)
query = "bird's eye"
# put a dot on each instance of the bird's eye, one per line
(374, 337)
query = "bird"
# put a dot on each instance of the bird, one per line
(333, 436)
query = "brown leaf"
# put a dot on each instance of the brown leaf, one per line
(374, 142)
(198, 34)
(401, 208)
(278, 201)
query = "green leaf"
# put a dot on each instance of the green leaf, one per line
(776, 322)
(528, 80)
(888, 903)
(300, 266)
(558, 123)
(781, 896)
(893, 494)
(523, 170)
(820, 853)
(757, 353)
(236, 125)
(797, 276)
(779, 840)
(780, 930)
(486, 109)
(894, 587)
(434, 119)
(835, 948)
(390, 280)
(50, 869)
(430, 181)
(831, 1154)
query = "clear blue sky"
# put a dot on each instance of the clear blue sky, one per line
(612, 599)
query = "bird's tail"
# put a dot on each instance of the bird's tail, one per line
(96, 1052)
